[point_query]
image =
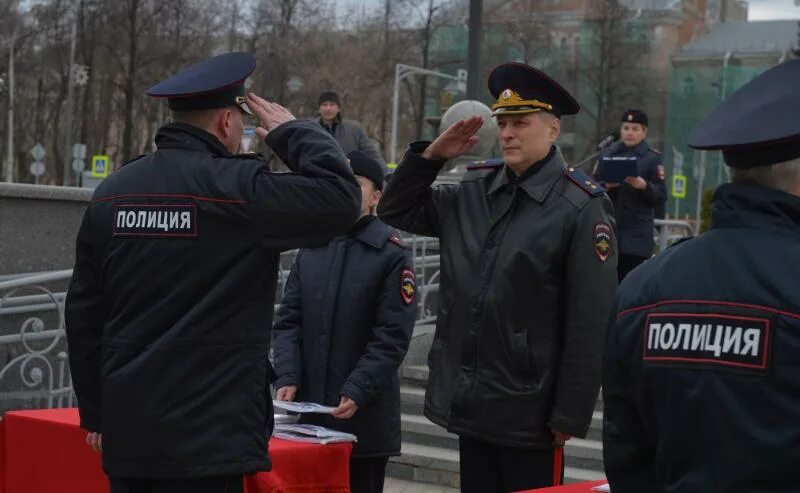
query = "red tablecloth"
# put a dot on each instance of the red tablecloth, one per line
(570, 488)
(44, 451)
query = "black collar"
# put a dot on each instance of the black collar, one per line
(753, 206)
(536, 181)
(185, 136)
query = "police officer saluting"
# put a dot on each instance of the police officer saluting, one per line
(528, 273)
(170, 303)
(700, 381)
(637, 197)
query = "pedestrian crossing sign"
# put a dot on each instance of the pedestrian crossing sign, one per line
(100, 165)
(679, 186)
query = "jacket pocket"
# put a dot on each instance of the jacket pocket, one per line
(520, 353)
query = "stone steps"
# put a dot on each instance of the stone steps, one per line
(430, 453)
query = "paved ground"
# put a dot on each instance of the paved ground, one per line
(397, 486)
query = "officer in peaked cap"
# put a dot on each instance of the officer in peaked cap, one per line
(527, 281)
(636, 197)
(170, 302)
(704, 352)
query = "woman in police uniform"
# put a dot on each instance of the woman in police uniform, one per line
(635, 199)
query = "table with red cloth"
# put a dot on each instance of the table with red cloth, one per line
(45, 451)
(570, 488)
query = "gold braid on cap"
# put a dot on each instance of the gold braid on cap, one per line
(510, 102)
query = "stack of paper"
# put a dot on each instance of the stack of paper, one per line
(311, 434)
(286, 418)
(303, 407)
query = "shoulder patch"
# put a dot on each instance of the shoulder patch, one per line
(584, 182)
(486, 164)
(395, 238)
(408, 286)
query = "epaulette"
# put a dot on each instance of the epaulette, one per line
(132, 160)
(486, 164)
(655, 150)
(584, 182)
(395, 238)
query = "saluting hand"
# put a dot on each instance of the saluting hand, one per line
(271, 115)
(455, 141)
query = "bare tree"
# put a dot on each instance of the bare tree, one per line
(609, 76)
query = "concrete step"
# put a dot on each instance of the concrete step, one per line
(584, 454)
(596, 428)
(414, 376)
(439, 466)
(421, 463)
(412, 399)
(421, 431)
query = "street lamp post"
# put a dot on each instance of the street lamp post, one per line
(67, 145)
(401, 71)
(9, 170)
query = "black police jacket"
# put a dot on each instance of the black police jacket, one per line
(528, 275)
(701, 380)
(635, 209)
(169, 310)
(344, 327)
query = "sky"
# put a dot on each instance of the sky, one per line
(760, 10)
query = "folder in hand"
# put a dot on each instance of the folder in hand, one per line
(614, 169)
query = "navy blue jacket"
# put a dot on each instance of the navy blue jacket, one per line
(701, 377)
(344, 327)
(634, 209)
(170, 303)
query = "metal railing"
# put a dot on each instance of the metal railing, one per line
(668, 231)
(33, 353)
(33, 358)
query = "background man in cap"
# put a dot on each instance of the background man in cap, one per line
(170, 303)
(344, 327)
(348, 133)
(528, 273)
(637, 198)
(700, 382)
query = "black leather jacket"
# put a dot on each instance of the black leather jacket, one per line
(528, 275)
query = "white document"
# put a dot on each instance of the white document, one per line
(602, 487)
(313, 430)
(303, 407)
(286, 418)
(299, 437)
